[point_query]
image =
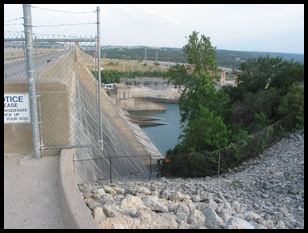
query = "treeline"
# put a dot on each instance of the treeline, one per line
(163, 54)
(227, 126)
(114, 76)
(234, 59)
(225, 58)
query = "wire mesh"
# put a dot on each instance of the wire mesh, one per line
(14, 51)
(114, 167)
(15, 73)
(200, 164)
(67, 93)
(67, 100)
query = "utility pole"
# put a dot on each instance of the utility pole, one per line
(156, 56)
(31, 80)
(145, 54)
(101, 145)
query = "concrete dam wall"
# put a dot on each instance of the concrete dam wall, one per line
(120, 138)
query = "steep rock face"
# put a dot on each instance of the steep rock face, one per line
(270, 195)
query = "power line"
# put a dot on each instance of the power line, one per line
(13, 19)
(59, 25)
(62, 35)
(9, 24)
(71, 12)
(8, 32)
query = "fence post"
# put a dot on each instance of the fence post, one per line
(110, 170)
(218, 164)
(150, 167)
(31, 80)
(100, 142)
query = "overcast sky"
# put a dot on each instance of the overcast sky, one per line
(250, 27)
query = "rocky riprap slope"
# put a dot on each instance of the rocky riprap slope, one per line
(267, 192)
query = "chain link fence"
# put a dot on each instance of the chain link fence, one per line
(69, 101)
(200, 164)
(17, 136)
(112, 167)
(68, 107)
(14, 46)
(14, 54)
(67, 94)
(64, 105)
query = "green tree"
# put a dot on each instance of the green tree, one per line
(200, 53)
(293, 103)
(264, 72)
(200, 103)
(206, 132)
(263, 83)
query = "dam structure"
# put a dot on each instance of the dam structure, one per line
(68, 117)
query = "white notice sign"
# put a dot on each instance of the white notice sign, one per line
(16, 108)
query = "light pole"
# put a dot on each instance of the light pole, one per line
(31, 80)
(99, 83)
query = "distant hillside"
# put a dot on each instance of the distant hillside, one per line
(230, 58)
(138, 53)
(226, 58)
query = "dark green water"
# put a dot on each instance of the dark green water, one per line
(164, 137)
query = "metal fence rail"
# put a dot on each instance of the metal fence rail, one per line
(151, 163)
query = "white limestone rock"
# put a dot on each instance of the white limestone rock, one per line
(130, 204)
(178, 196)
(98, 214)
(144, 190)
(238, 223)
(112, 210)
(154, 204)
(120, 222)
(110, 190)
(212, 220)
(196, 217)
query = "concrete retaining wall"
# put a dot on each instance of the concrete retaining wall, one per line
(166, 93)
(75, 213)
(137, 104)
(54, 120)
(17, 137)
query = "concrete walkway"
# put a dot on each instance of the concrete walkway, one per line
(31, 192)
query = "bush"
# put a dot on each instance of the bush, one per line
(193, 164)
(293, 103)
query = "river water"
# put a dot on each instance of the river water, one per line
(164, 137)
